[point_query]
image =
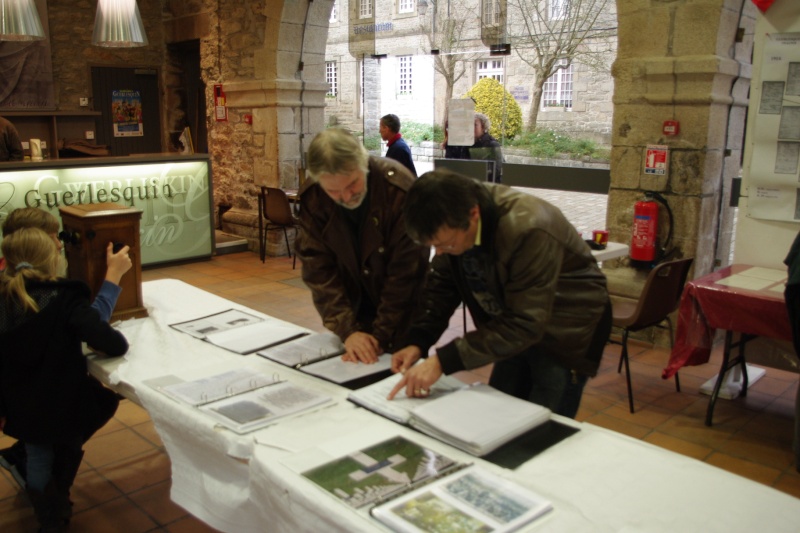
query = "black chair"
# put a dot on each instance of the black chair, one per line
(660, 297)
(275, 210)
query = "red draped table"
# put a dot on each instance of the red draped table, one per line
(738, 299)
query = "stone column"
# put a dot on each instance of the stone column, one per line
(679, 60)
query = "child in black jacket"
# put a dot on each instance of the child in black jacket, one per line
(48, 400)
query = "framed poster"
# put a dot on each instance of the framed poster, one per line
(126, 113)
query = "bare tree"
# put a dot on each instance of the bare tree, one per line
(452, 29)
(545, 32)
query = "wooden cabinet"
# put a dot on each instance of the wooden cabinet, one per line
(88, 229)
(51, 126)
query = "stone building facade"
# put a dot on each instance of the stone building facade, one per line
(685, 60)
(402, 42)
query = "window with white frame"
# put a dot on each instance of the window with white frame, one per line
(490, 68)
(490, 12)
(557, 90)
(365, 9)
(334, 11)
(558, 9)
(404, 75)
(332, 78)
(406, 6)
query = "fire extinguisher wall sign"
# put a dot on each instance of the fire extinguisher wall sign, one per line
(220, 109)
(656, 160)
(645, 229)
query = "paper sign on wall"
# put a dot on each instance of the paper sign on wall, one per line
(126, 113)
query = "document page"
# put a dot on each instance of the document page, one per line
(338, 371)
(258, 408)
(376, 472)
(755, 279)
(477, 419)
(373, 397)
(472, 499)
(239, 331)
(305, 350)
(254, 337)
(213, 388)
(225, 320)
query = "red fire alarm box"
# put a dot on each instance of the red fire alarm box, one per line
(220, 109)
(672, 127)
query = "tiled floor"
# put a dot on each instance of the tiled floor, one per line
(124, 480)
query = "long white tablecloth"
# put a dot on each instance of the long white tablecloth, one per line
(598, 480)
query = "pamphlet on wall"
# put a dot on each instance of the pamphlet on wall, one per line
(379, 472)
(472, 499)
(239, 331)
(477, 418)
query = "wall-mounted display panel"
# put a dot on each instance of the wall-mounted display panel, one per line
(173, 192)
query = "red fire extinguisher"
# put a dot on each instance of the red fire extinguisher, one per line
(645, 230)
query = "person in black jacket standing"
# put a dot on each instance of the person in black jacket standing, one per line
(48, 400)
(397, 149)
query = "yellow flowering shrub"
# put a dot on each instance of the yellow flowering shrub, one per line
(494, 101)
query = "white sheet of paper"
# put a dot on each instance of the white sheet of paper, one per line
(338, 371)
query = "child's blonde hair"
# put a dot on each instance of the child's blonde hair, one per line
(30, 254)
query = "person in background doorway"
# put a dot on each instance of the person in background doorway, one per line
(48, 400)
(10, 145)
(397, 148)
(535, 292)
(487, 147)
(363, 270)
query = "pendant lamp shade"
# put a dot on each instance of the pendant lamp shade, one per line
(19, 21)
(118, 24)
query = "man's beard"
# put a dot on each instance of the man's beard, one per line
(355, 202)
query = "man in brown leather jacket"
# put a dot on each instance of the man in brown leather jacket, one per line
(537, 297)
(363, 270)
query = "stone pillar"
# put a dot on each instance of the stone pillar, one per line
(679, 60)
(285, 96)
(372, 103)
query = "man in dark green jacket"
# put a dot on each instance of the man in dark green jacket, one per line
(535, 292)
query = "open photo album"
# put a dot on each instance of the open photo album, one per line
(472, 499)
(411, 488)
(242, 399)
(475, 418)
(239, 331)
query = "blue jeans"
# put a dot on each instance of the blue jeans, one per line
(40, 465)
